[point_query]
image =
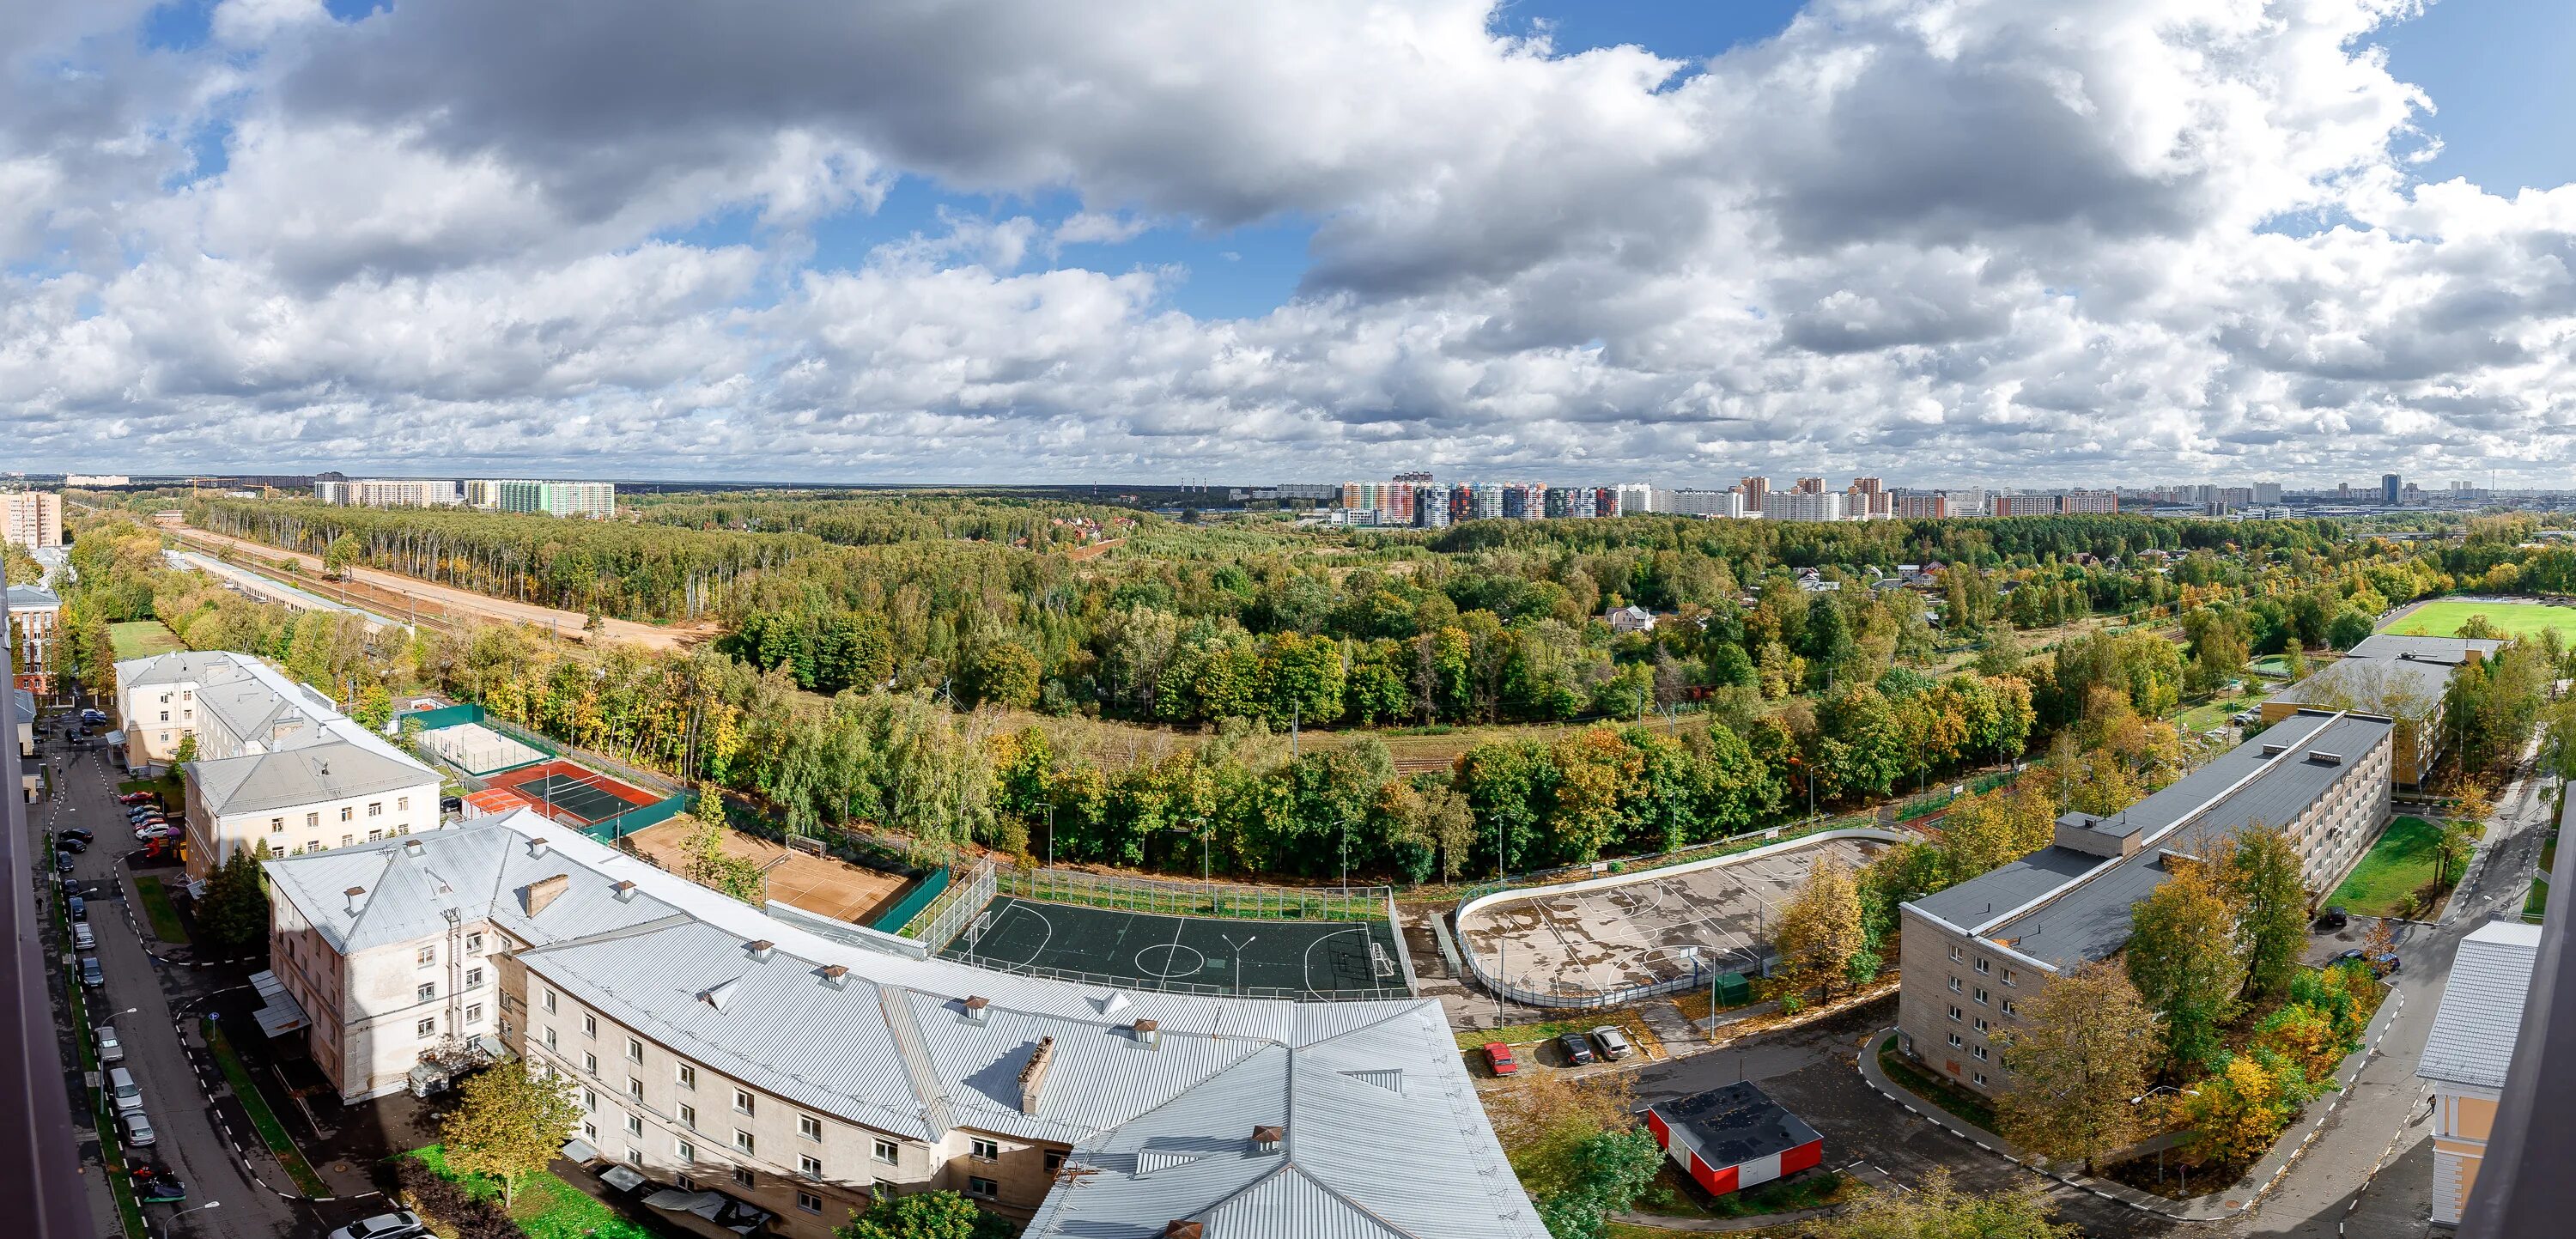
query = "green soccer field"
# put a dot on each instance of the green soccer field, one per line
(2511, 619)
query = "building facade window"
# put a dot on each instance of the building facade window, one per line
(809, 1202)
(809, 1127)
(1954, 985)
(474, 1013)
(1956, 954)
(1979, 1052)
(635, 1088)
(1955, 1042)
(634, 1125)
(428, 956)
(634, 1050)
(589, 1063)
(688, 1115)
(428, 992)
(550, 1038)
(684, 1151)
(473, 978)
(1981, 966)
(742, 1141)
(981, 1187)
(742, 1177)
(426, 1028)
(741, 1102)
(1954, 1013)
(375, 808)
(277, 825)
(550, 1002)
(688, 1077)
(885, 1151)
(984, 1150)
(589, 1025)
(810, 1167)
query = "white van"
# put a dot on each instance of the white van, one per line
(120, 1083)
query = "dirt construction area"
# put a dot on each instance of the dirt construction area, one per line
(1648, 929)
(818, 884)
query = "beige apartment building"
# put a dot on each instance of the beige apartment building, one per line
(2470, 1048)
(275, 763)
(1974, 954)
(2404, 678)
(768, 1062)
(31, 518)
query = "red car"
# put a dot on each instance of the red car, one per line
(1499, 1057)
(136, 798)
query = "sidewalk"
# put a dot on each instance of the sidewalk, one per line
(2216, 1206)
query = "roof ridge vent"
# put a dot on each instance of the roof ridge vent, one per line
(353, 894)
(537, 847)
(412, 847)
(720, 993)
(623, 890)
(1269, 1138)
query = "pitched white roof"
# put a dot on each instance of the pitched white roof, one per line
(2473, 1032)
(1385, 1133)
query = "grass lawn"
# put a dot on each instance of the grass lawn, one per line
(545, 1206)
(271, 1132)
(142, 639)
(1942, 1093)
(2443, 617)
(1531, 1034)
(1810, 1189)
(2216, 712)
(156, 907)
(2398, 865)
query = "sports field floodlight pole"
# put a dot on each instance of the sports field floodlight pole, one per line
(1050, 836)
(1346, 855)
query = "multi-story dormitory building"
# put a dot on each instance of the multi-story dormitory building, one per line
(1974, 954)
(800, 1066)
(275, 762)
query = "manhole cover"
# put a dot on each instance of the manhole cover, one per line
(342, 1167)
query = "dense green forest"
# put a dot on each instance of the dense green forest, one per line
(946, 667)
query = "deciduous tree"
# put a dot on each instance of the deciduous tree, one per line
(1937, 1209)
(2184, 958)
(508, 1123)
(924, 1215)
(2087, 1045)
(1820, 930)
(2260, 875)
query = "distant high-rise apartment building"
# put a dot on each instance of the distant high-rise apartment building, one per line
(2389, 486)
(1431, 508)
(595, 500)
(1920, 507)
(97, 479)
(1605, 501)
(2267, 492)
(1487, 501)
(1804, 505)
(1728, 502)
(31, 518)
(1635, 497)
(2025, 505)
(2096, 502)
(386, 493)
(1756, 492)
(1811, 486)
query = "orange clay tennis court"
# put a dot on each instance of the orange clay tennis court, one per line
(818, 884)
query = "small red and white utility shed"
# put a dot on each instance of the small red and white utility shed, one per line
(1735, 1137)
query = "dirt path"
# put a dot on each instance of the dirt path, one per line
(398, 596)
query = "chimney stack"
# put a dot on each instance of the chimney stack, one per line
(545, 890)
(974, 1008)
(762, 950)
(1268, 1139)
(1182, 1228)
(536, 849)
(353, 893)
(1033, 1076)
(836, 975)
(1149, 1034)
(625, 891)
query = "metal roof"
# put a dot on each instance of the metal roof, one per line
(2473, 1032)
(2268, 779)
(301, 776)
(1385, 1135)
(1734, 1124)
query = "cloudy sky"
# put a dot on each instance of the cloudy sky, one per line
(1942, 241)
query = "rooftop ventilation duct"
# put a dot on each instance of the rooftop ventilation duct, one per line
(762, 950)
(353, 893)
(721, 993)
(835, 975)
(625, 891)
(1033, 1076)
(412, 847)
(536, 848)
(1268, 1139)
(1149, 1034)
(2325, 759)
(974, 1008)
(1182, 1228)
(545, 891)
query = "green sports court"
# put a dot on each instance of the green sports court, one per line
(1303, 960)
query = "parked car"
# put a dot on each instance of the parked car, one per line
(138, 1130)
(93, 715)
(1578, 1050)
(2333, 918)
(2347, 957)
(2386, 965)
(82, 833)
(157, 830)
(155, 1188)
(131, 798)
(62, 862)
(90, 975)
(382, 1226)
(451, 804)
(83, 937)
(121, 1086)
(1614, 1043)
(110, 1050)
(80, 909)
(1499, 1057)
(71, 845)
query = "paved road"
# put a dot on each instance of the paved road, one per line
(144, 996)
(2386, 1122)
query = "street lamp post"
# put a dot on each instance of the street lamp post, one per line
(174, 1217)
(1050, 836)
(2140, 1099)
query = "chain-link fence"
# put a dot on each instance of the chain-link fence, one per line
(1218, 899)
(947, 916)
